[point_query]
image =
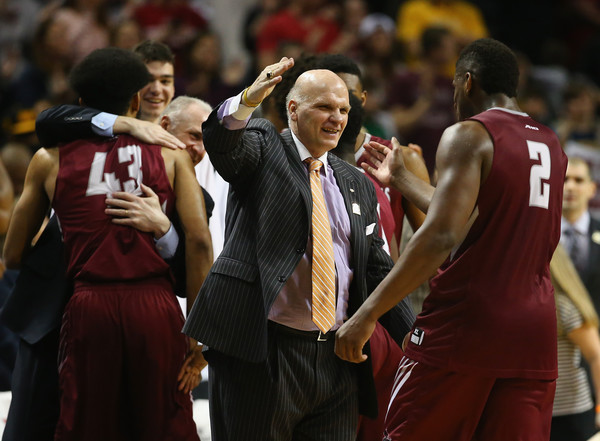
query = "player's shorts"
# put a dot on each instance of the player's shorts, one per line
(431, 404)
(121, 350)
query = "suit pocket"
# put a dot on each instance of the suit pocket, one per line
(235, 268)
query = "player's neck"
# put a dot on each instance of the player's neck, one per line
(501, 100)
(360, 139)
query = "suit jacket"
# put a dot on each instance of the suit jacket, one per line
(36, 304)
(591, 276)
(267, 227)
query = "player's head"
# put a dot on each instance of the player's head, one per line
(183, 118)
(159, 91)
(346, 145)
(347, 70)
(485, 67)
(109, 80)
(579, 188)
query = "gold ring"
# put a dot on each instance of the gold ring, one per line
(269, 75)
(126, 212)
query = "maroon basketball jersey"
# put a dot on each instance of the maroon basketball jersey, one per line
(97, 249)
(491, 308)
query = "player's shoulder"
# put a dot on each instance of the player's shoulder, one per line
(466, 131)
(45, 157)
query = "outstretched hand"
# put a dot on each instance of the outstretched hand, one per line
(385, 164)
(147, 132)
(351, 338)
(190, 373)
(141, 213)
(266, 81)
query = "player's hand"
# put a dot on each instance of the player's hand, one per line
(266, 81)
(385, 164)
(351, 338)
(190, 374)
(142, 213)
(147, 132)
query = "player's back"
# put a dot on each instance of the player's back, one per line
(492, 302)
(89, 171)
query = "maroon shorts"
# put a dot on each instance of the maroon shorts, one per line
(433, 404)
(385, 357)
(121, 349)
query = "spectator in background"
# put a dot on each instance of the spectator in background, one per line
(421, 98)
(126, 34)
(203, 75)
(533, 98)
(85, 23)
(580, 232)
(463, 18)
(255, 18)
(380, 60)
(174, 22)
(579, 122)
(352, 15)
(53, 62)
(573, 415)
(303, 21)
(16, 157)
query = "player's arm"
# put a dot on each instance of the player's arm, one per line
(416, 166)
(192, 214)
(461, 154)
(6, 198)
(31, 208)
(198, 253)
(66, 123)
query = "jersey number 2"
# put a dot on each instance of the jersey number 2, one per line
(100, 182)
(539, 191)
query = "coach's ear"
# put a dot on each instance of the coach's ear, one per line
(134, 105)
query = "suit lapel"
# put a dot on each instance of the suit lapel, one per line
(349, 190)
(297, 169)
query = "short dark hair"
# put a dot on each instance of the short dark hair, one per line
(338, 63)
(356, 119)
(150, 50)
(493, 64)
(431, 38)
(108, 78)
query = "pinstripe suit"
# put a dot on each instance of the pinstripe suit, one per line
(267, 229)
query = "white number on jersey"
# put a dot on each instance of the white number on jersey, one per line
(539, 191)
(106, 183)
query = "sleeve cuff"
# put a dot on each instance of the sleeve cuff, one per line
(234, 114)
(102, 124)
(167, 245)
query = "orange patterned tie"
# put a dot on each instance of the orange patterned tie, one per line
(323, 264)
